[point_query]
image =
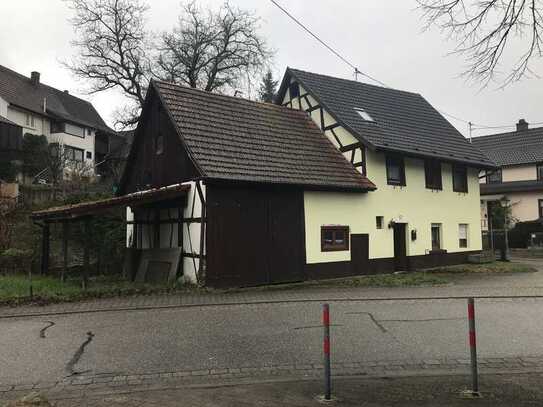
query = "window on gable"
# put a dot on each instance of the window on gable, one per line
(463, 235)
(494, 177)
(294, 90)
(379, 222)
(460, 178)
(432, 172)
(363, 114)
(395, 170)
(159, 144)
(334, 238)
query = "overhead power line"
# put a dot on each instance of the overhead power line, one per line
(473, 126)
(332, 50)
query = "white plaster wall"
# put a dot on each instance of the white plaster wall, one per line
(525, 205)
(41, 123)
(3, 108)
(519, 173)
(169, 232)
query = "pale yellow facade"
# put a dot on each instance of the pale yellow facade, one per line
(413, 204)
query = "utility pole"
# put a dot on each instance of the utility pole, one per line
(356, 73)
(470, 130)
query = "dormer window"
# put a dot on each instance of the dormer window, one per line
(363, 114)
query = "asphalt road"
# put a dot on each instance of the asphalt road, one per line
(51, 348)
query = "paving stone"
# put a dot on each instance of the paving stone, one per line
(199, 372)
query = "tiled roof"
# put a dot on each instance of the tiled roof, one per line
(403, 121)
(7, 121)
(18, 90)
(512, 186)
(235, 139)
(516, 147)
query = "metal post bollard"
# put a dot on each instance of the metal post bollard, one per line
(473, 347)
(326, 348)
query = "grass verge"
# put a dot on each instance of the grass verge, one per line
(497, 267)
(15, 290)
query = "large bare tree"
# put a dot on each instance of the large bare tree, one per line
(213, 49)
(112, 49)
(486, 31)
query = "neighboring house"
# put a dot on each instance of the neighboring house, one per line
(64, 119)
(519, 154)
(349, 179)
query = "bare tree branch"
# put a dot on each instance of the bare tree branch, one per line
(484, 30)
(112, 46)
(212, 50)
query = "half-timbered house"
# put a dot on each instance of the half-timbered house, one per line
(425, 209)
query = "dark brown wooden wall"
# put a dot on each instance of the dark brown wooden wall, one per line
(254, 236)
(146, 167)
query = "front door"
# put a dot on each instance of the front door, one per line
(400, 247)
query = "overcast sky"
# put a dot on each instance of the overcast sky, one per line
(383, 38)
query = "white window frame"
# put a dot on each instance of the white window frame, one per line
(463, 236)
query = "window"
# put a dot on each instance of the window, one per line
(436, 236)
(460, 178)
(30, 120)
(494, 177)
(89, 155)
(159, 144)
(363, 114)
(540, 172)
(395, 170)
(334, 238)
(57, 127)
(463, 235)
(540, 203)
(432, 172)
(73, 153)
(379, 221)
(294, 90)
(74, 130)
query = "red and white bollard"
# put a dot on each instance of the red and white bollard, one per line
(326, 349)
(473, 346)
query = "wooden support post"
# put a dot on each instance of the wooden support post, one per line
(157, 229)
(86, 254)
(45, 249)
(65, 237)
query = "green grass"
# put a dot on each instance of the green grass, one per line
(14, 289)
(496, 267)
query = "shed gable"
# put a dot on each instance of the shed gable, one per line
(158, 157)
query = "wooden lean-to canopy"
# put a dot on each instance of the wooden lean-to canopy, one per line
(70, 212)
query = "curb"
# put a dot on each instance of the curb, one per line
(261, 302)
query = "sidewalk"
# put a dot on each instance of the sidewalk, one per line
(497, 391)
(508, 285)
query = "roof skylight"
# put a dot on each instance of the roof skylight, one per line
(363, 114)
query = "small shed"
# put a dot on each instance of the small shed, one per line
(144, 264)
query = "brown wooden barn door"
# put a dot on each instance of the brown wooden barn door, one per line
(400, 247)
(285, 254)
